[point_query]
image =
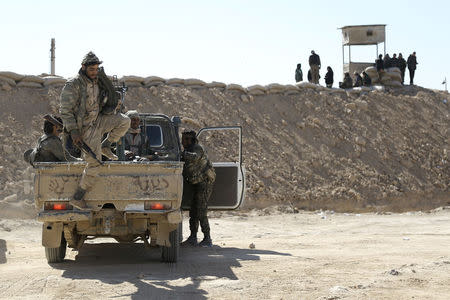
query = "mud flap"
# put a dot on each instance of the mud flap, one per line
(51, 234)
(164, 229)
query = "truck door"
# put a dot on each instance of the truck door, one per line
(229, 187)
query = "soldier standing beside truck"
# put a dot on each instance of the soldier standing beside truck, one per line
(85, 107)
(199, 172)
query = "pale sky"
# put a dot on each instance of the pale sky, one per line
(244, 42)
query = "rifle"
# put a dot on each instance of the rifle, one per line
(82, 146)
(111, 91)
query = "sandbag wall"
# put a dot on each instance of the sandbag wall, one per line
(391, 77)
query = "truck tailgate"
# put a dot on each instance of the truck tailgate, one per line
(125, 184)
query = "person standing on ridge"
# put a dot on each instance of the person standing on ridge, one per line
(314, 63)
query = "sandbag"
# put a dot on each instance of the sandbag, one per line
(394, 83)
(8, 80)
(29, 84)
(131, 78)
(305, 84)
(256, 90)
(32, 78)
(395, 76)
(133, 84)
(216, 84)
(385, 76)
(194, 82)
(385, 80)
(275, 88)
(12, 75)
(54, 80)
(153, 81)
(236, 87)
(175, 82)
(290, 89)
(370, 70)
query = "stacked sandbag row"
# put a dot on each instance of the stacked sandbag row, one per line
(388, 77)
(391, 77)
(9, 80)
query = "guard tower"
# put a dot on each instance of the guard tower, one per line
(361, 35)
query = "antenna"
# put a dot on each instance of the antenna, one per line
(52, 57)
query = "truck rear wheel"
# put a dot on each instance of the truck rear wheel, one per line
(56, 255)
(170, 254)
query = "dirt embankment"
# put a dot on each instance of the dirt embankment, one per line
(307, 147)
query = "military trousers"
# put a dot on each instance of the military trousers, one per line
(199, 208)
(315, 74)
(411, 75)
(115, 126)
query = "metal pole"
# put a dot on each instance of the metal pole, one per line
(52, 57)
(349, 54)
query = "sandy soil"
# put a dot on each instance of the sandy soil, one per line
(304, 255)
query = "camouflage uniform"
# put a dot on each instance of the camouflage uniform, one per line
(80, 110)
(199, 172)
(49, 148)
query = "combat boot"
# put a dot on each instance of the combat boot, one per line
(206, 243)
(106, 150)
(78, 200)
(191, 241)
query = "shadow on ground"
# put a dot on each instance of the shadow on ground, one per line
(114, 263)
(3, 250)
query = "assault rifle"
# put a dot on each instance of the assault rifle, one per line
(82, 145)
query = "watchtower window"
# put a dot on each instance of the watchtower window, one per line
(369, 32)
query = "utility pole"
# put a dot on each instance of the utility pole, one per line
(52, 57)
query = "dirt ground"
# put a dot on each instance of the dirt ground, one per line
(306, 255)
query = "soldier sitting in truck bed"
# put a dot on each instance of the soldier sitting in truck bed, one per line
(136, 142)
(49, 147)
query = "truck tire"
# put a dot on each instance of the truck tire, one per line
(56, 255)
(170, 254)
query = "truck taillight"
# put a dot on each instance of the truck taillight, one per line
(155, 205)
(57, 206)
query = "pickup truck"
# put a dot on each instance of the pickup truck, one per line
(131, 201)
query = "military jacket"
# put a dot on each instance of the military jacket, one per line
(197, 167)
(49, 149)
(77, 104)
